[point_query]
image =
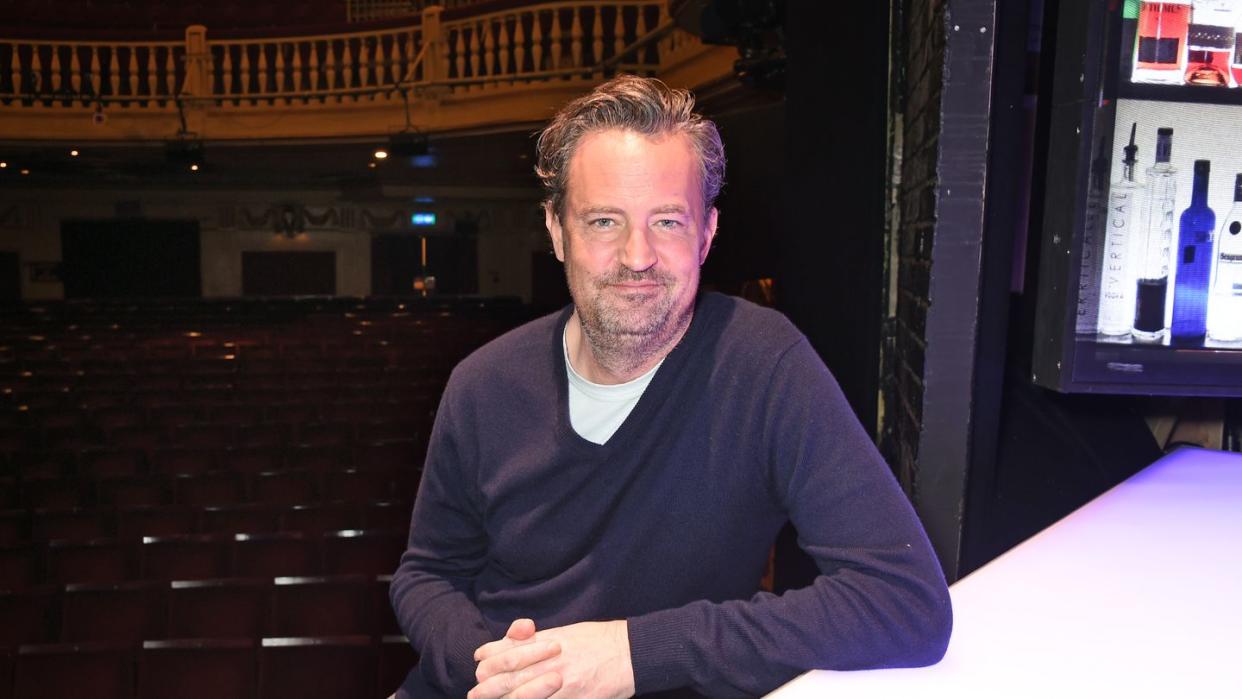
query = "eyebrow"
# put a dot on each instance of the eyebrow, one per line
(595, 210)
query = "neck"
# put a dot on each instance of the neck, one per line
(603, 361)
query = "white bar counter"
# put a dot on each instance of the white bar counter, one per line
(1136, 594)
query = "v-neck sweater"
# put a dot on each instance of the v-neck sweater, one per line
(668, 524)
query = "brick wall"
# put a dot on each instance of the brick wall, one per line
(919, 54)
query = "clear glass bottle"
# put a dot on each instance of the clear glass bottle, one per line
(1160, 52)
(1155, 243)
(1117, 275)
(1209, 43)
(1194, 262)
(1224, 321)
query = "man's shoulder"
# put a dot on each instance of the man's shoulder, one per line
(518, 351)
(745, 326)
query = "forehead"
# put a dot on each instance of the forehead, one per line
(619, 164)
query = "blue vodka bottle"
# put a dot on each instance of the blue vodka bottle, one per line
(1194, 263)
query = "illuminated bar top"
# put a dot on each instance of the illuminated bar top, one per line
(1137, 593)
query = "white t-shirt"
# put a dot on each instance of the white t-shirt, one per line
(597, 410)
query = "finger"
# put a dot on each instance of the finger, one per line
(521, 629)
(498, 686)
(515, 659)
(541, 687)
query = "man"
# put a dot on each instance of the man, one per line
(603, 485)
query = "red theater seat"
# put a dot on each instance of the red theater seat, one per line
(179, 460)
(135, 491)
(218, 488)
(76, 524)
(58, 671)
(321, 606)
(111, 463)
(366, 551)
(170, 520)
(130, 612)
(194, 557)
(21, 565)
(271, 555)
(198, 669)
(289, 487)
(29, 616)
(317, 519)
(396, 659)
(98, 561)
(235, 608)
(252, 459)
(317, 668)
(248, 518)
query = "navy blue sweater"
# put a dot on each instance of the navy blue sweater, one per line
(669, 523)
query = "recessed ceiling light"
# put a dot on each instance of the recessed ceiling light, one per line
(380, 154)
(371, 164)
(74, 153)
(194, 167)
(25, 171)
(3, 164)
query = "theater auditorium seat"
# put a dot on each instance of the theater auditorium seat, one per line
(198, 669)
(61, 670)
(317, 668)
(230, 608)
(123, 612)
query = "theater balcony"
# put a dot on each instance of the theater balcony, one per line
(468, 66)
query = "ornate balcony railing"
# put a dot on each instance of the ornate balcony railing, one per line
(553, 44)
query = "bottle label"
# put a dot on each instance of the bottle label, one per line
(1207, 37)
(1158, 50)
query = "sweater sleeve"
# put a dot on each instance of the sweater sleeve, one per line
(880, 598)
(431, 589)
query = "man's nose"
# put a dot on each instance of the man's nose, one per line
(637, 253)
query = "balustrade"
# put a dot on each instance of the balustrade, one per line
(554, 41)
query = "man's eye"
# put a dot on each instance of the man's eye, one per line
(668, 223)
(602, 223)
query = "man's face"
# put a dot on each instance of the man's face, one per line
(633, 236)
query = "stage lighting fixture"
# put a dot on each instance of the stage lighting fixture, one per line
(184, 153)
(408, 144)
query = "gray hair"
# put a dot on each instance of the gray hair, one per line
(630, 103)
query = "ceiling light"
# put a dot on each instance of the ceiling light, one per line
(25, 171)
(3, 164)
(194, 167)
(380, 154)
(74, 153)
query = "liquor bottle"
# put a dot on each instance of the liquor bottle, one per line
(1161, 52)
(1155, 243)
(1225, 305)
(1194, 262)
(1117, 275)
(1237, 52)
(1209, 43)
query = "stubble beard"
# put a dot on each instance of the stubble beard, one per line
(626, 331)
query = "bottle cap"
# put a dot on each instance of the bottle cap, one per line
(1203, 168)
(1164, 144)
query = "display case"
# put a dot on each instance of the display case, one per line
(1141, 259)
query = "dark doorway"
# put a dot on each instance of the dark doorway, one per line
(289, 273)
(130, 258)
(397, 260)
(10, 277)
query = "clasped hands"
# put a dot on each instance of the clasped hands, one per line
(590, 659)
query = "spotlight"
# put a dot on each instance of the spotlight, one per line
(408, 144)
(74, 153)
(194, 167)
(3, 164)
(380, 154)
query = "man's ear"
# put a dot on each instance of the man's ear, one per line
(709, 234)
(555, 231)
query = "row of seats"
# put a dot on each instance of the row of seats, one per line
(214, 608)
(242, 448)
(340, 667)
(290, 486)
(215, 434)
(134, 523)
(203, 556)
